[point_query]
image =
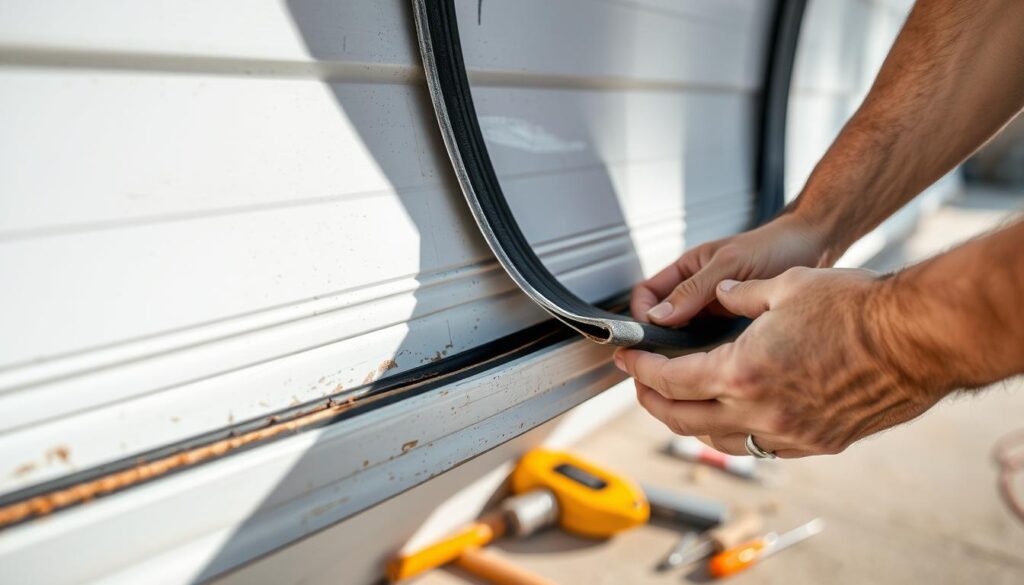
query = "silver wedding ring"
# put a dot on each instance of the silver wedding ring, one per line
(757, 451)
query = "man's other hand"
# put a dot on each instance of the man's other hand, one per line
(807, 377)
(683, 289)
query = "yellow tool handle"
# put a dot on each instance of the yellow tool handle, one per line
(734, 560)
(474, 535)
(495, 569)
(746, 524)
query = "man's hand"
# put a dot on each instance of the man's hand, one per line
(683, 289)
(805, 378)
(836, 355)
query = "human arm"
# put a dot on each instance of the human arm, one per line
(953, 78)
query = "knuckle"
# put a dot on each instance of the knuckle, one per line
(692, 259)
(741, 374)
(752, 392)
(703, 253)
(743, 379)
(728, 254)
(679, 427)
(662, 387)
(794, 274)
(797, 270)
(657, 384)
(666, 388)
(687, 288)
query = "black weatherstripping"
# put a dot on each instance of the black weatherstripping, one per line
(447, 80)
(771, 160)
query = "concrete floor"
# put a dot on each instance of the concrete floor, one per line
(916, 504)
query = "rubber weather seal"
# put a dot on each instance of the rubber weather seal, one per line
(778, 77)
(450, 92)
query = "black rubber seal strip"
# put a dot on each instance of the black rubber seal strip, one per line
(450, 92)
(778, 77)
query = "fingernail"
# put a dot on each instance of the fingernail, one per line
(619, 362)
(660, 311)
(726, 285)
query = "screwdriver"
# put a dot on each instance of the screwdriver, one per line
(692, 548)
(680, 552)
(742, 557)
(691, 449)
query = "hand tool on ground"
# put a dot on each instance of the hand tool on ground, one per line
(693, 450)
(676, 556)
(693, 511)
(742, 557)
(693, 547)
(492, 568)
(551, 487)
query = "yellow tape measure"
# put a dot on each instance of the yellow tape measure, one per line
(593, 501)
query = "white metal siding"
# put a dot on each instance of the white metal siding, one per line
(212, 211)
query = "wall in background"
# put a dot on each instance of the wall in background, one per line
(843, 44)
(1001, 161)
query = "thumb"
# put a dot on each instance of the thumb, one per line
(748, 299)
(687, 299)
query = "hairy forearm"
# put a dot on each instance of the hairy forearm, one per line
(954, 321)
(954, 77)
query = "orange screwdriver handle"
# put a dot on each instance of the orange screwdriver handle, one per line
(494, 569)
(476, 534)
(734, 560)
(744, 526)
